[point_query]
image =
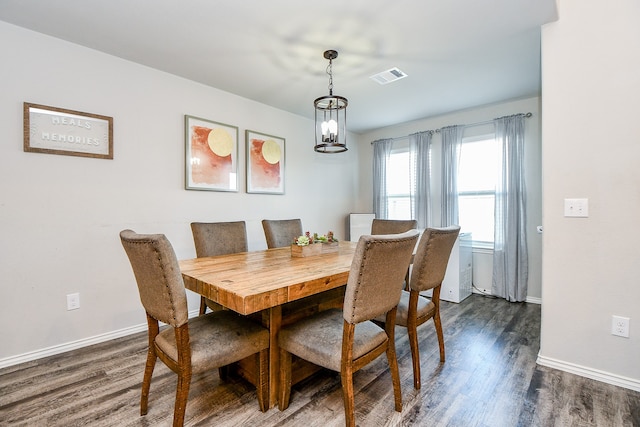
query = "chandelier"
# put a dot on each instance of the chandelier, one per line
(331, 116)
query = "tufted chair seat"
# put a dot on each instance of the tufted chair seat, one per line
(302, 337)
(239, 337)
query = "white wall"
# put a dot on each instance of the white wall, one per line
(476, 115)
(60, 216)
(591, 149)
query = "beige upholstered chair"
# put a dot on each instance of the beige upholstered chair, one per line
(345, 340)
(281, 232)
(187, 346)
(218, 238)
(429, 267)
(392, 226)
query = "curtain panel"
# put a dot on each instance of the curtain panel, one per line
(381, 153)
(510, 257)
(451, 140)
(420, 150)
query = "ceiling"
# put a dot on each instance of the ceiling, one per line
(458, 54)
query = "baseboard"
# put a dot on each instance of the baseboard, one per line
(73, 345)
(534, 300)
(480, 291)
(594, 374)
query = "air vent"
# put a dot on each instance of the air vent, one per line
(388, 76)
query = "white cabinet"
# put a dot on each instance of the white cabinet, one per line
(458, 279)
(359, 224)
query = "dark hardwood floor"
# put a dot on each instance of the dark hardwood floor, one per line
(490, 378)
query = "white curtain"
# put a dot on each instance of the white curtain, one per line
(381, 152)
(510, 258)
(451, 140)
(420, 150)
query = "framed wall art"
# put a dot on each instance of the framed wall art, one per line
(265, 163)
(211, 155)
(53, 130)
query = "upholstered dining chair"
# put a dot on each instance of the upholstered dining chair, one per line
(392, 226)
(345, 340)
(187, 346)
(218, 238)
(281, 232)
(429, 267)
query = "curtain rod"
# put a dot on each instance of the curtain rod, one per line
(486, 122)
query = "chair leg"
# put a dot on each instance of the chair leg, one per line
(347, 394)
(438, 324)
(284, 390)
(346, 372)
(412, 332)
(263, 379)
(389, 328)
(182, 393)
(146, 381)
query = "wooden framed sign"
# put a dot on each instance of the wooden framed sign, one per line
(71, 133)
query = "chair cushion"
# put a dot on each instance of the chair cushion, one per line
(318, 338)
(425, 307)
(217, 339)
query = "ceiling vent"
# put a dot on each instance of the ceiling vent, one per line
(388, 76)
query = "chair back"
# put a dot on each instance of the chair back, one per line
(281, 232)
(219, 238)
(392, 226)
(158, 276)
(432, 256)
(377, 275)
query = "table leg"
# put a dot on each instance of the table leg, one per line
(275, 321)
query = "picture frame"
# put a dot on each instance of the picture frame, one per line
(211, 155)
(53, 130)
(265, 163)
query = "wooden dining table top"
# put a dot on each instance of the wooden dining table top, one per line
(249, 282)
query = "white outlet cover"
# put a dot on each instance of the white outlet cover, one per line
(620, 326)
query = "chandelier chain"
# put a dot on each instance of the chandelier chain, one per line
(330, 72)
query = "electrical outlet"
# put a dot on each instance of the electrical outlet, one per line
(620, 326)
(73, 301)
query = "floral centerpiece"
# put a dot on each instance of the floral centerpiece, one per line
(308, 239)
(313, 244)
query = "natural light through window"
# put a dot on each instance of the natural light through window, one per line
(398, 185)
(478, 172)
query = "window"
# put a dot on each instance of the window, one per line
(399, 184)
(478, 173)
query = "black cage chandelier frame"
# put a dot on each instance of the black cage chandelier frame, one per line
(331, 116)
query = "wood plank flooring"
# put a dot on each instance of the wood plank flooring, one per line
(490, 378)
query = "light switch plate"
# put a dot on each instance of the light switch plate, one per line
(576, 208)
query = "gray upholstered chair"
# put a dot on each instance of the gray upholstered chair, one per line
(281, 232)
(218, 238)
(429, 267)
(392, 226)
(345, 340)
(188, 346)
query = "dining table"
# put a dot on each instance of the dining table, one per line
(275, 288)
